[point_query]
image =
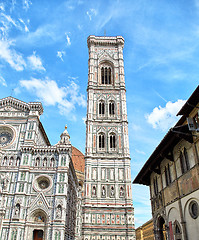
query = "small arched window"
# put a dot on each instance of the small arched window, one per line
(101, 108)
(101, 141)
(111, 107)
(105, 75)
(112, 141)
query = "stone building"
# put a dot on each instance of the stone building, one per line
(40, 190)
(107, 209)
(145, 232)
(172, 173)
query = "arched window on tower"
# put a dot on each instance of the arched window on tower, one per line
(101, 108)
(112, 141)
(101, 141)
(106, 75)
(111, 107)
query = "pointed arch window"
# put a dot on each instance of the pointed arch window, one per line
(106, 75)
(184, 161)
(101, 108)
(111, 107)
(112, 141)
(167, 175)
(155, 185)
(177, 231)
(101, 141)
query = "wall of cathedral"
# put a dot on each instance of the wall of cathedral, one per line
(38, 184)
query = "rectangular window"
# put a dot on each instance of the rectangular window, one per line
(25, 159)
(23, 176)
(61, 177)
(21, 187)
(61, 188)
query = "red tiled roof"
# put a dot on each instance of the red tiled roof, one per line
(78, 159)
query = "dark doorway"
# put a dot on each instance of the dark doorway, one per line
(38, 234)
(162, 229)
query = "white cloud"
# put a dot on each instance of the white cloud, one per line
(3, 81)
(36, 62)
(25, 26)
(84, 120)
(48, 92)
(73, 78)
(92, 12)
(26, 4)
(68, 39)
(9, 55)
(60, 54)
(2, 7)
(140, 152)
(165, 117)
(9, 19)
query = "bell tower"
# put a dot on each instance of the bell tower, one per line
(108, 212)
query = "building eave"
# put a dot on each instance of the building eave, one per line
(162, 151)
(190, 103)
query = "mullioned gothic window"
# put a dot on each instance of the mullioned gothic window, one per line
(101, 141)
(167, 175)
(184, 161)
(111, 108)
(155, 185)
(101, 108)
(112, 141)
(106, 75)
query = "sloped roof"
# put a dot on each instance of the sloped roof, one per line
(78, 160)
(190, 103)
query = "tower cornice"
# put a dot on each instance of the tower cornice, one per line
(105, 41)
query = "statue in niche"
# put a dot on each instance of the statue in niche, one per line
(94, 191)
(121, 192)
(17, 210)
(103, 191)
(58, 212)
(4, 181)
(112, 191)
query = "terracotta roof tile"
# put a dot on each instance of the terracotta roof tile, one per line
(78, 160)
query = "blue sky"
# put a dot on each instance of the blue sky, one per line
(44, 57)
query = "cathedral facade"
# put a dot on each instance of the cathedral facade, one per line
(53, 192)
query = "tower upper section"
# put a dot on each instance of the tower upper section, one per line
(106, 66)
(107, 126)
